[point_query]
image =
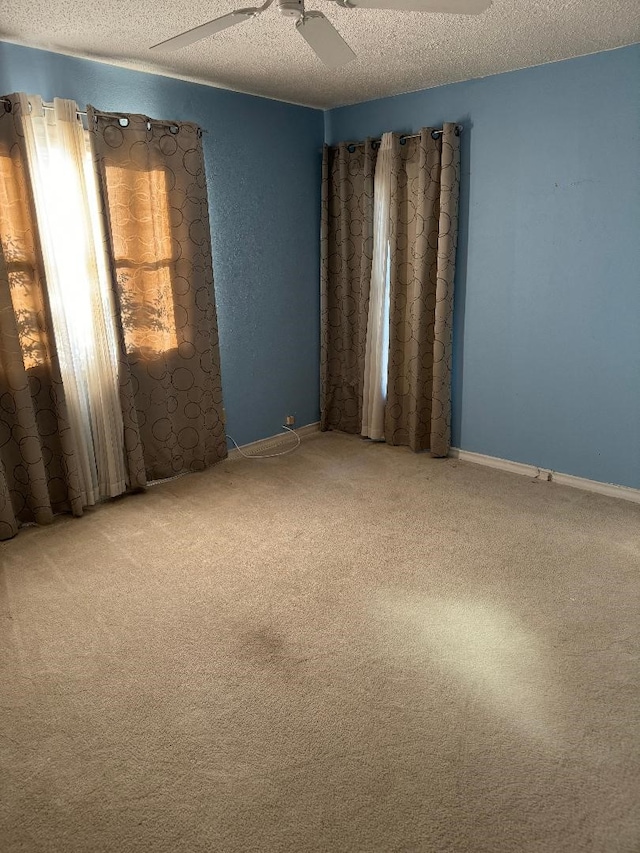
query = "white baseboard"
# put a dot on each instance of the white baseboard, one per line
(610, 489)
(273, 442)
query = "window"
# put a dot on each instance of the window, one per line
(21, 264)
(143, 255)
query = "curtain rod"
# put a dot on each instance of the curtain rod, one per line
(351, 146)
(45, 106)
(80, 113)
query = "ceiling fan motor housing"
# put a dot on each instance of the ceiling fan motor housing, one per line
(291, 8)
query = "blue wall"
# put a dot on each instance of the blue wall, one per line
(263, 167)
(547, 326)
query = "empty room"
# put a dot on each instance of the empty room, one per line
(320, 426)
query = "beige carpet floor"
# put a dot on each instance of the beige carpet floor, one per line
(352, 648)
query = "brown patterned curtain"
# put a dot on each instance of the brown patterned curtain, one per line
(38, 459)
(156, 211)
(425, 180)
(346, 254)
(422, 246)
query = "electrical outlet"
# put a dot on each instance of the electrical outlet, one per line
(290, 420)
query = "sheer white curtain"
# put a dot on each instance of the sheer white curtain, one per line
(377, 347)
(78, 284)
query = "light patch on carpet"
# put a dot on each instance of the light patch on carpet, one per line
(501, 663)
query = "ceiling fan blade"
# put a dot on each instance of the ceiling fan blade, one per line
(324, 40)
(445, 7)
(205, 30)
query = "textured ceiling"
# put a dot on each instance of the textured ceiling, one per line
(397, 51)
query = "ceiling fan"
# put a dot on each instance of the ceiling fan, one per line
(319, 33)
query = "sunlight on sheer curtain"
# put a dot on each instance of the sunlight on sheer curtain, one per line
(377, 347)
(67, 207)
